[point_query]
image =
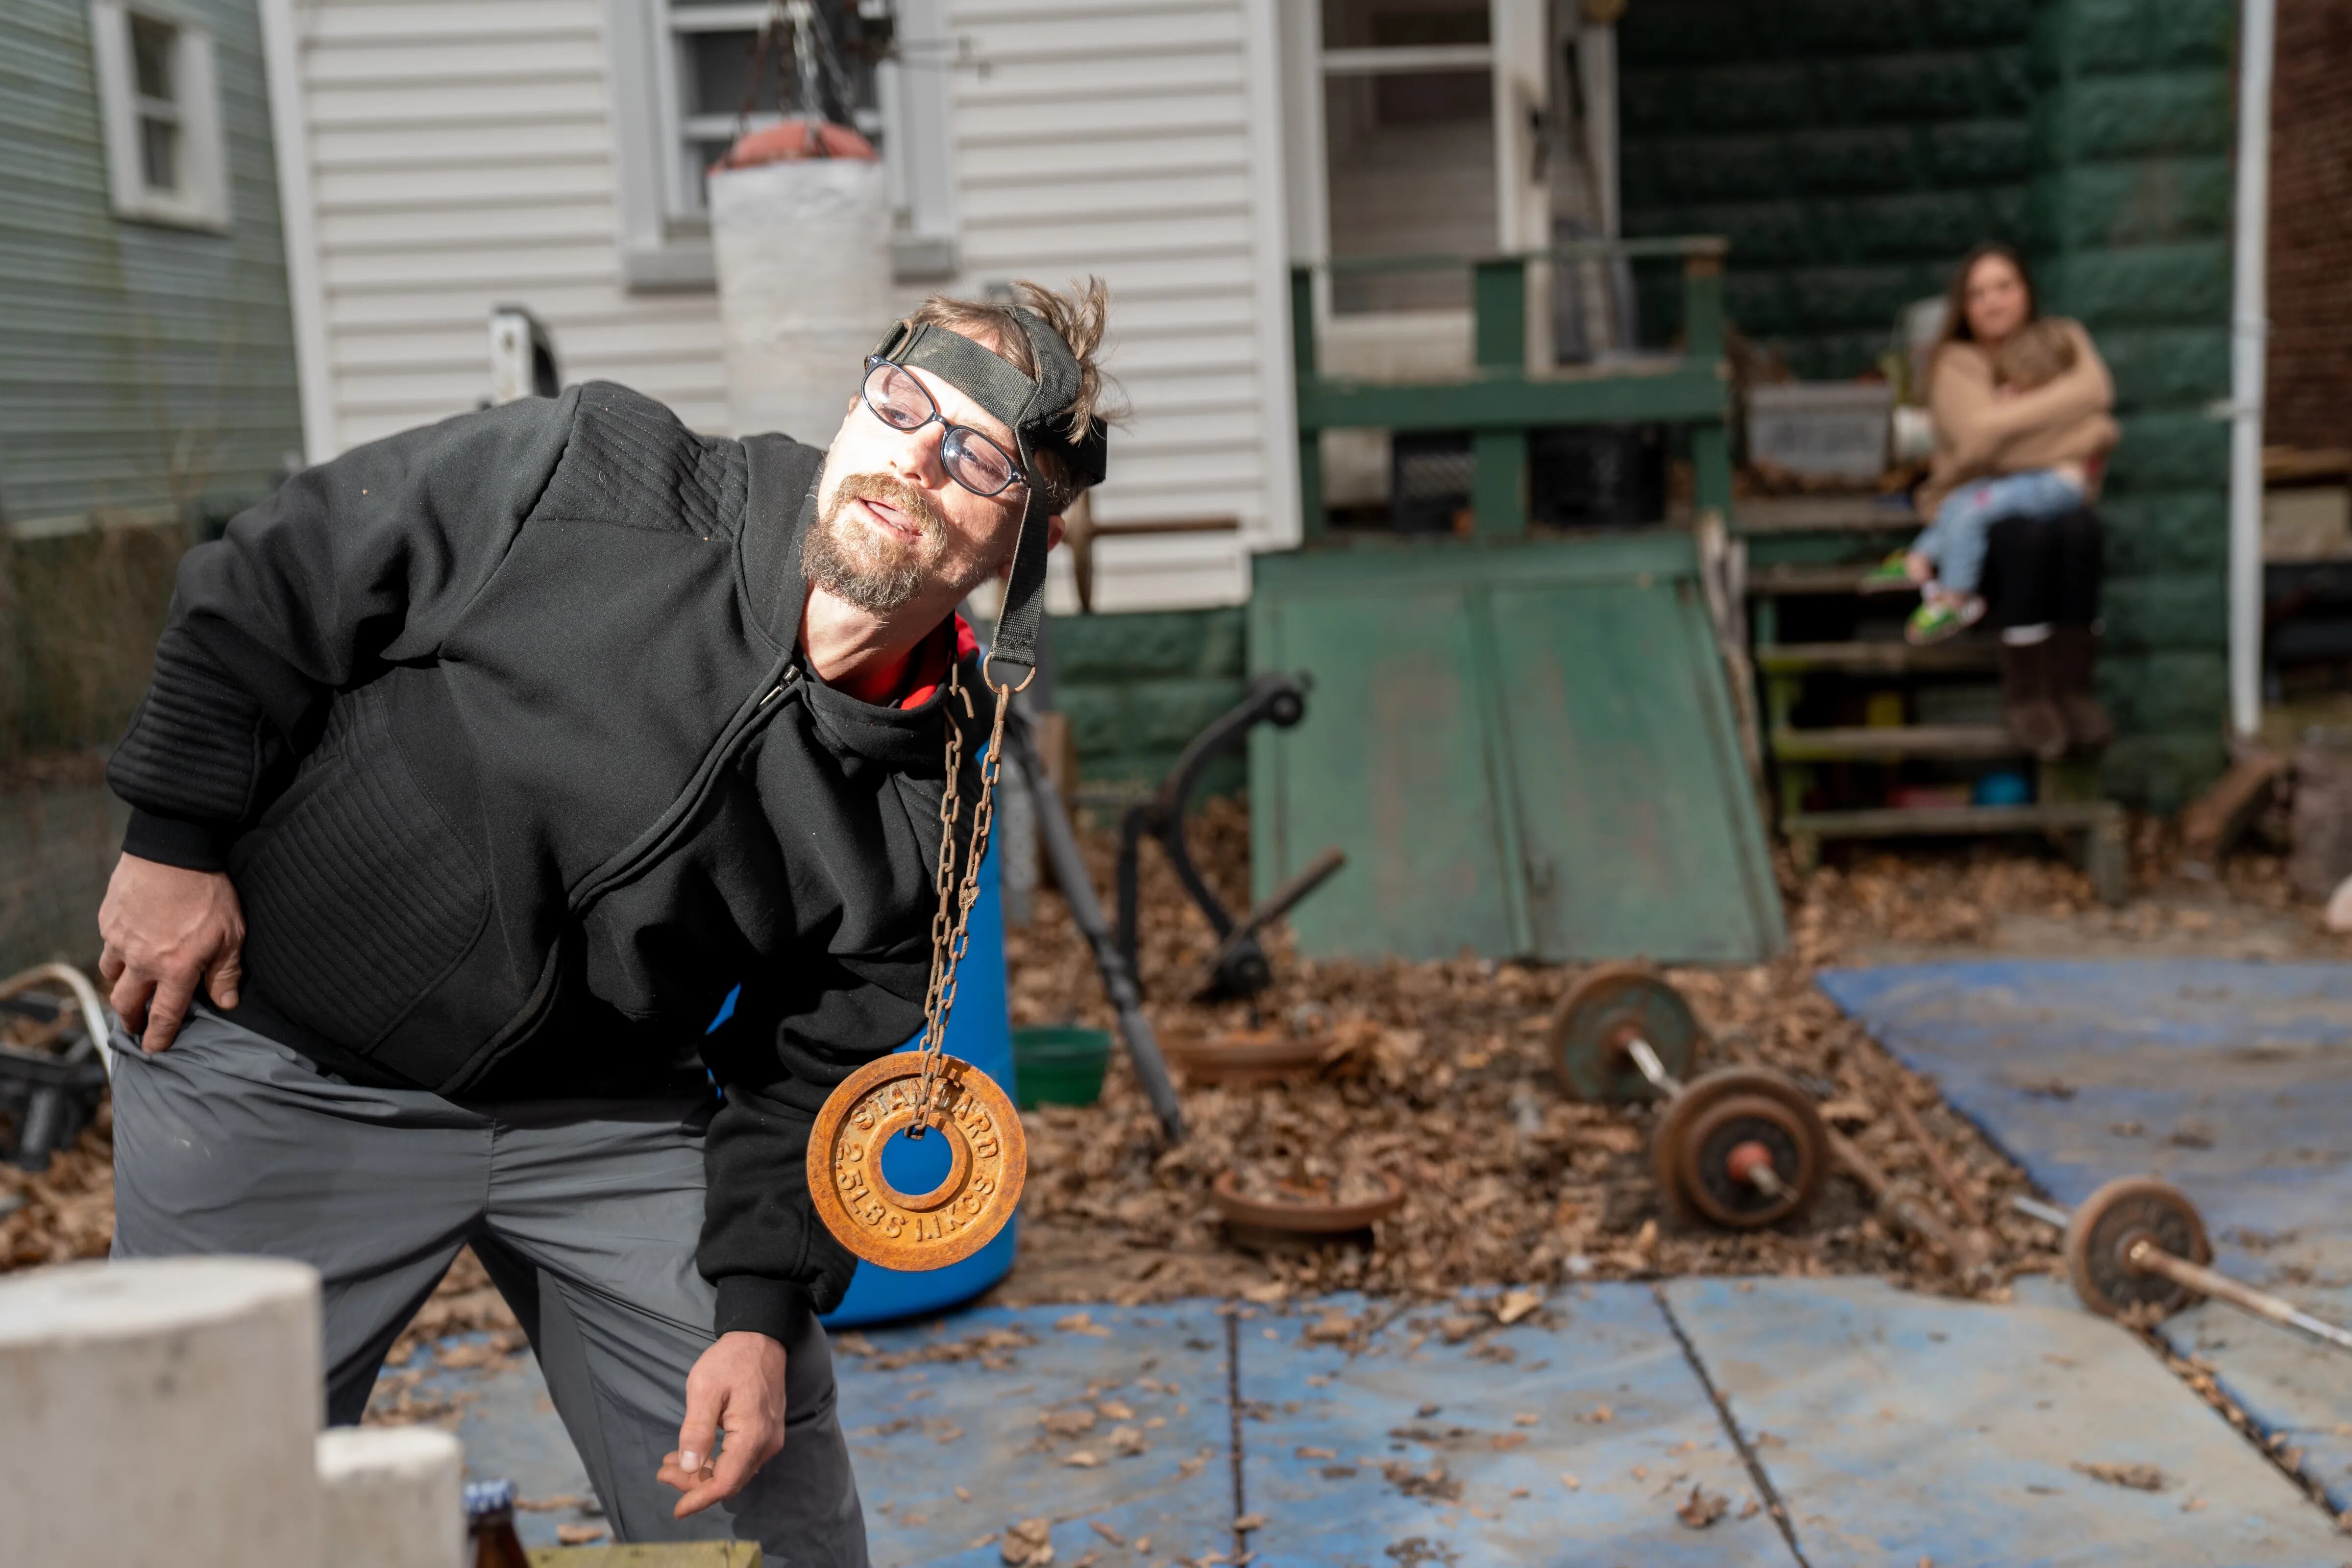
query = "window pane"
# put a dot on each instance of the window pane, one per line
(1402, 24)
(717, 67)
(159, 155)
(153, 44)
(1412, 171)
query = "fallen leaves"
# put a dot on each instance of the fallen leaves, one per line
(1028, 1544)
(578, 1534)
(2139, 1478)
(1702, 1508)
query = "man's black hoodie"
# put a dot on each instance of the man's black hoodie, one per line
(500, 729)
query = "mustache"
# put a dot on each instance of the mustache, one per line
(896, 494)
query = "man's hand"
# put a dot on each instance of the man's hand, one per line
(738, 1387)
(166, 932)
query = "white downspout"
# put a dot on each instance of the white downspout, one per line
(2249, 331)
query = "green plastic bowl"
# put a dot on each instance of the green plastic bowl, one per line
(1059, 1064)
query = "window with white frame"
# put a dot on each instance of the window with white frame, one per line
(693, 75)
(157, 97)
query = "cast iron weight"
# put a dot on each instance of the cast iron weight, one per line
(2139, 1242)
(1741, 1147)
(1239, 967)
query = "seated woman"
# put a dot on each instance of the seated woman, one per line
(2040, 542)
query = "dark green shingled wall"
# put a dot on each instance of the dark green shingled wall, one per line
(2130, 231)
(1850, 150)
(1138, 686)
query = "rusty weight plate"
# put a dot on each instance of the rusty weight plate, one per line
(1692, 1150)
(988, 1153)
(1609, 1007)
(2100, 1237)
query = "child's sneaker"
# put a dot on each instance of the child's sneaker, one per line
(1939, 618)
(1890, 574)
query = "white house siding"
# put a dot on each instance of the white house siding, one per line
(459, 155)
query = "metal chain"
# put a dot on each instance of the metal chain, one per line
(951, 921)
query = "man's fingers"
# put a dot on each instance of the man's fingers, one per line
(109, 965)
(698, 1434)
(166, 1014)
(221, 983)
(129, 997)
(735, 1466)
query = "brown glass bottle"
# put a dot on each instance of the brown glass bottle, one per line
(490, 1539)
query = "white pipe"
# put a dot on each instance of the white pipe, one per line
(2249, 329)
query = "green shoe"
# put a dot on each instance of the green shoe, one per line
(1891, 572)
(1936, 619)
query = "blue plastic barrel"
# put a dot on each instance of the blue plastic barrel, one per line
(980, 1031)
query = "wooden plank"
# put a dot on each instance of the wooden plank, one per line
(920, 1426)
(1413, 1451)
(1951, 819)
(1790, 582)
(1891, 742)
(1958, 655)
(1901, 1428)
(1823, 514)
(2231, 1079)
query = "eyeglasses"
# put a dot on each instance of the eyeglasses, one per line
(971, 458)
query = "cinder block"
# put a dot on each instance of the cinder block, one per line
(2155, 532)
(2171, 611)
(2171, 449)
(1854, 161)
(2155, 367)
(2135, 202)
(2177, 112)
(2155, 284)
(393, 1497)
(1978, 152)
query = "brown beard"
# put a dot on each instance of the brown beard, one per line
(874, 569)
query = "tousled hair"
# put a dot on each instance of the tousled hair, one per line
(1955, 298)
(1078, 317)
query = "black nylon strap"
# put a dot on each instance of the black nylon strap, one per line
(1028, 406)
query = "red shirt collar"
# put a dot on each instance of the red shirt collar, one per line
(933, 658)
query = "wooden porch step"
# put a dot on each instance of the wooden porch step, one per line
(1820, 514)
(1958, 655)
(2100, 822)
(1793, 581)
(1889, 743)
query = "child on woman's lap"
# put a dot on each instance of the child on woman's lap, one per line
(1947, 559)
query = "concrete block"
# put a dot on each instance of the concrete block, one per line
(1859, 159)
(2186, 282)
(392, 1496)
(2161, 114)
(1978, 152)
(161, 1411)
(2173, 610)
(2185, 449)
(2157, 368)
(2136, 202)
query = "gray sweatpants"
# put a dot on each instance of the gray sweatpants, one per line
(584, 1212)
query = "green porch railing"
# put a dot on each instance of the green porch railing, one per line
(1499, 402)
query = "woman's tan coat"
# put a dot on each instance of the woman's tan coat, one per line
(1979, 432)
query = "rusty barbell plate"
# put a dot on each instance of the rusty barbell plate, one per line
(1691, 1149)
(2104, 1227)
(914, 1232)
(1602, 1011)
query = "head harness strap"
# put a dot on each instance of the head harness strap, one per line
(1029, 406)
